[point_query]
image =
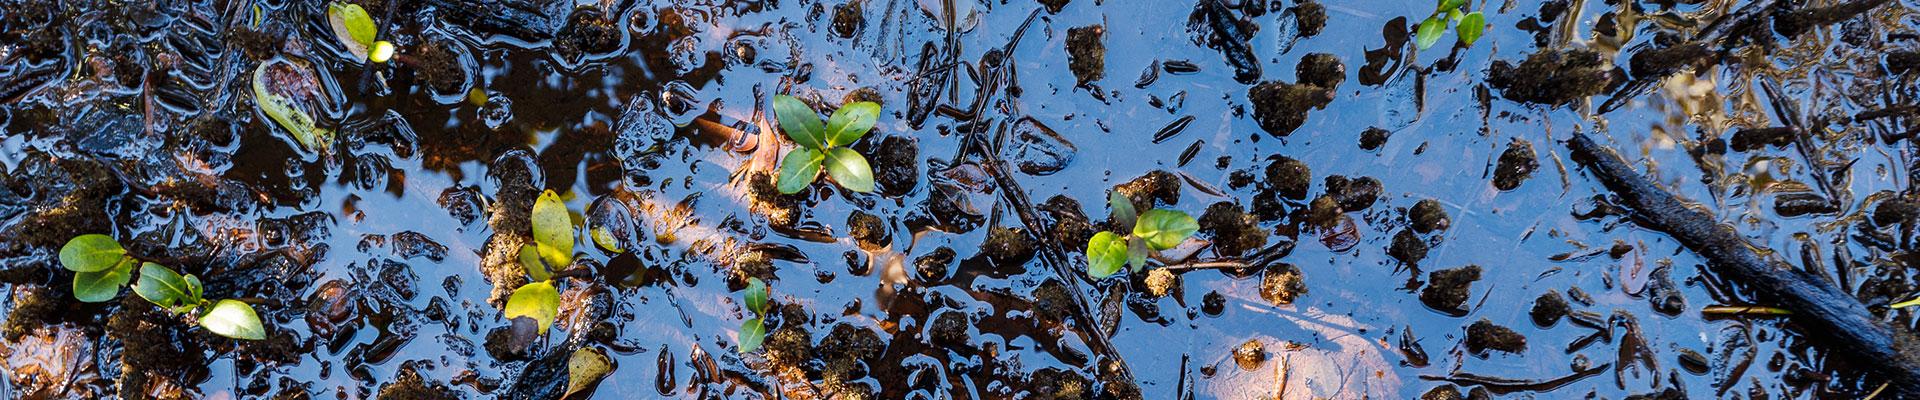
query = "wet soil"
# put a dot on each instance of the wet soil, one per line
(1375, 221)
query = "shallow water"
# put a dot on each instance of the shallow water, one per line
(666, 126)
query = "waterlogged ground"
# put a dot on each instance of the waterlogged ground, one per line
(1415, 229)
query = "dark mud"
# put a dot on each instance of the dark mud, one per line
(1376, 221)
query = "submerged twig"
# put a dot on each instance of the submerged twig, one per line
(1499, 385)
(1814, 300)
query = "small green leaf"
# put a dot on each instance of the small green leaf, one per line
(553, 229)
(197, 290)
(102, 285)
(604, 237)
(1164, 229)
(757, 296)
(1106, 252)
(282, 109)
(851, 122)
(1429, 32)
(1454, 15)
(1471, 27)
(798, 169)
(849, 169)
(163, 287)
(91, 253)
(352, 26)
(1137, 253)
(752, 332)
(1451, 5)
(234, 319)
(530, 261)
(800, 122)
(585, 369)
(1123, 212)
(539, 301)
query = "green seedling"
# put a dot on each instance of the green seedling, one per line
(1153, 231)
(552, 248)
(1469, 26)
(355, 29)
(823, 146)
(754, 331)
(101, 267)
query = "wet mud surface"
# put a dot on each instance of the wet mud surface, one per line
(1374, 221)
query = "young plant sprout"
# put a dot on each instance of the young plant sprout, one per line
(754, 331)
(355, 29)
(1153, 231)
(101, 267)
(824, 145)
(552, 248)
(1469, 25)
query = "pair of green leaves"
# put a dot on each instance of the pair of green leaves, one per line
(353, 27)
(553, 240)
(821, 146)
(1154, 230)
(1470, 26)
(101, 266)
(754, 331)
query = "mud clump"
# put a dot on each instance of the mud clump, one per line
(1659, 62)
(1051, 302)
(1311, 17)
(1551, 77)
(439, 66)
(1429, 216)
(1054, 6)
(1899, 62)
(1548, 309)
(588, 31)
(1282, 284)
(1444, 392)
(1070, 225)
(1282, 107)
(1354, 194)
(781, 210)
(1751, 139)
(1791, 23)
(1373, 138)
(848, 19)
(934, 265)
(1448, 289)
(1087, 53)
(1234, 232)
(1515, 165)
(845, 349)
(896, 168)
(1007, 246)
(1321, 69)
(790, 345)
(155, 346)
(1483, 335)
(869, 230)
(1056, 384)
(1894, 211)
(1323, 213)
(1289, 178)
(1250, 354)
(950, 330)
(1160, 282)
(1153, 189)
(408, 385)
(1213, 303)
(1407, 247)
(34, 306)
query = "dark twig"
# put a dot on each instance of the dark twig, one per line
(1840, 319)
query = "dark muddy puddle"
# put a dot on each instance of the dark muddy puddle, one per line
(1375, 221)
